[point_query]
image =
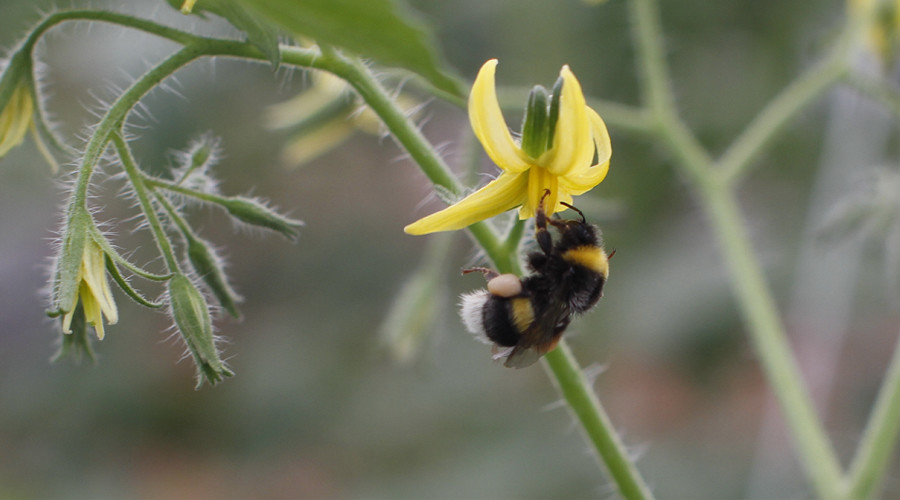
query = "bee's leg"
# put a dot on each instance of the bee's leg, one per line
(489, 274)
(541, 235)
(570, 207)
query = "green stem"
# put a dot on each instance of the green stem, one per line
(177, 36)
(572, 383)
(761, 315)
(580, 396)
(412, 140)
(880, 438)
(780, 110)
(116, 114)
(143, 196)
(564, 368)
(754, 297)
(657, 92)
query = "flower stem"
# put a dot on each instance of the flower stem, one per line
(761, 315)
(880, 438)
(717, 198)
(779, 111)
(143, 196)
(579, 394)
(116, 114)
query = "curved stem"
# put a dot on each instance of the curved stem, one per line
(116, 114)
(175, 35)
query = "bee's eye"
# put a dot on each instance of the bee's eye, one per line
(505, 285)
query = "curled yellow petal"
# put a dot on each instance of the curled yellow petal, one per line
(95, 278)
(502, 194)
(488, 123)
(572, 144)
(580, 181)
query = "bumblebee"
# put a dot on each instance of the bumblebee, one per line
(525, 318)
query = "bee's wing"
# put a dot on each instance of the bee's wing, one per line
(541, 336)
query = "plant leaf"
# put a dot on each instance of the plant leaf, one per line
(378, 29)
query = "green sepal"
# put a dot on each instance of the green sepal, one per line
(381, 30)
(19, 67)
(192, 318)
(126, 287)
(255, 213)
(209, 269)
(261, 33)
(74, 240)
(536, 124)
(77, 343)
(554, 111)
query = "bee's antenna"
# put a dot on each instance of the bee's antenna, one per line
(583, 220)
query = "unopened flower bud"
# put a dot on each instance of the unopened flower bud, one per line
(191, 314)
(255, 213)
(209, 268)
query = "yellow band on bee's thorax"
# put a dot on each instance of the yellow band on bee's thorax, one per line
(591, 257)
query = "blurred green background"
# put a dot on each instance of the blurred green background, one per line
(318, 410)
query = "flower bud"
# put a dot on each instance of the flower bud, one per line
(255, 213)
(16, 103)
(209, 268)
(535, 128)
(191, 314)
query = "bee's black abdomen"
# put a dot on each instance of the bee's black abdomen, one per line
(497, 319)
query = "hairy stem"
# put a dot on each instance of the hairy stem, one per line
(143, 196)
(579, 394)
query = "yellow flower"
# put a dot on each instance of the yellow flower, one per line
(564, 167)
(15, 119)
(93, 290)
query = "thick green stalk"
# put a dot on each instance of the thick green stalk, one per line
(657, 92)
(580, 396)
(761, 315)
(753, 296)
